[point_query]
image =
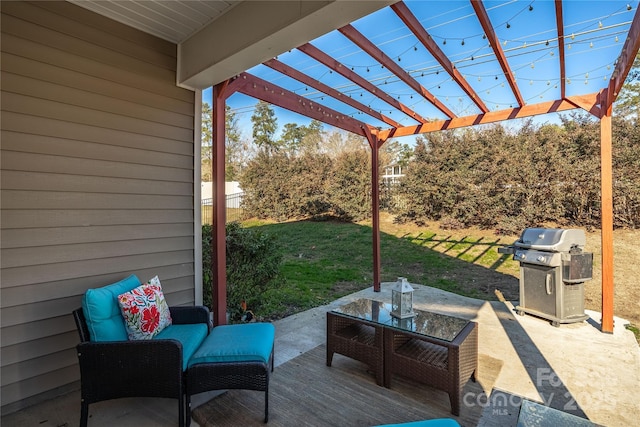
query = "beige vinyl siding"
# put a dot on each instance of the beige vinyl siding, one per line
(96, 181)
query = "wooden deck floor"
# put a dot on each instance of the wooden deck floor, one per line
(305, 392)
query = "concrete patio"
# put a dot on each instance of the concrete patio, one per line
(574, 368)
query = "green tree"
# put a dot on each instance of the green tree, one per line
(233, 146)
(265, 125)
(206, 140)
(299, 139)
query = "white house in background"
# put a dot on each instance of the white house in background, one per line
(393, 173)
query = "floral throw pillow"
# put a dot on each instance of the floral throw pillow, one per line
(145, 310)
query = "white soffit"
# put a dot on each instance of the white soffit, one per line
(174, 21)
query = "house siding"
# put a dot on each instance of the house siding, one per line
(96, 181)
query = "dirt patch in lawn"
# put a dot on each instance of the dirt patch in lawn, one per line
(481, 275)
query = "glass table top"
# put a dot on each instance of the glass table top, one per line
(533, 414)
(434, 325)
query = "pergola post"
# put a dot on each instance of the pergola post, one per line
(606, 194)
(218, 252)
(375, 208)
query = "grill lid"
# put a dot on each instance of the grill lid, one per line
(551, 239)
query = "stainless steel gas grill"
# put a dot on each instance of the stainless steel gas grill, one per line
(553, 269)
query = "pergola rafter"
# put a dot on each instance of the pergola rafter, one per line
(599, 104)
(276, 95)
(560, 27)
(336, 66)
(328, 90)
(483, 17)
(364, 44)
(625, 59)
(419, 31)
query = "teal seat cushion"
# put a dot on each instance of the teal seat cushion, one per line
(236, 343)
(190, 335)
(102, 312)
(439, 422)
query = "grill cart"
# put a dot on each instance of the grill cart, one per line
(553, 269)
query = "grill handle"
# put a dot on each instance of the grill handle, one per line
(548, 284)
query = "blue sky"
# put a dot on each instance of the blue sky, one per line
(594, 30)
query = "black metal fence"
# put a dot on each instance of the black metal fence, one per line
(233, 206)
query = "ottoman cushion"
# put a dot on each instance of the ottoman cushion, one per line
(236, 343)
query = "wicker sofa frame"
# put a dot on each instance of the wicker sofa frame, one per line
(246, 375)
(117, 369)
(441, 364)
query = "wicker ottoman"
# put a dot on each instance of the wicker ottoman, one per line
(232, 357)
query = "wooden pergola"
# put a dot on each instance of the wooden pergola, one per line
(599, 104)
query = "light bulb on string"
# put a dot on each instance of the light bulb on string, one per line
(445, 41)
(573, 36)
(629, 6)
(547, 43)
(530, 8)
(591, 45)
(508, 25)
(504, 43)
(533, 65)
(462, 42)
(616, 39)
(599, 24)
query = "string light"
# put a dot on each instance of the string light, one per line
(508, 25)
(591, 45)
(616, 39)
(462, 42)
(445, 41)
(629, 6)
(599, 24)
(530, 8)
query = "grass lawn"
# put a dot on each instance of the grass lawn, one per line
(324, 260)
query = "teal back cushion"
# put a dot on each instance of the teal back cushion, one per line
(102, 312)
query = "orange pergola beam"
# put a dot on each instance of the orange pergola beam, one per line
(363, 43)
(497, 49)
(606, 209)
(303, 78)
(491, 117)
(336, 66)
(421, 34)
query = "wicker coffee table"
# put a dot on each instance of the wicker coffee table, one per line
(438, 350)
